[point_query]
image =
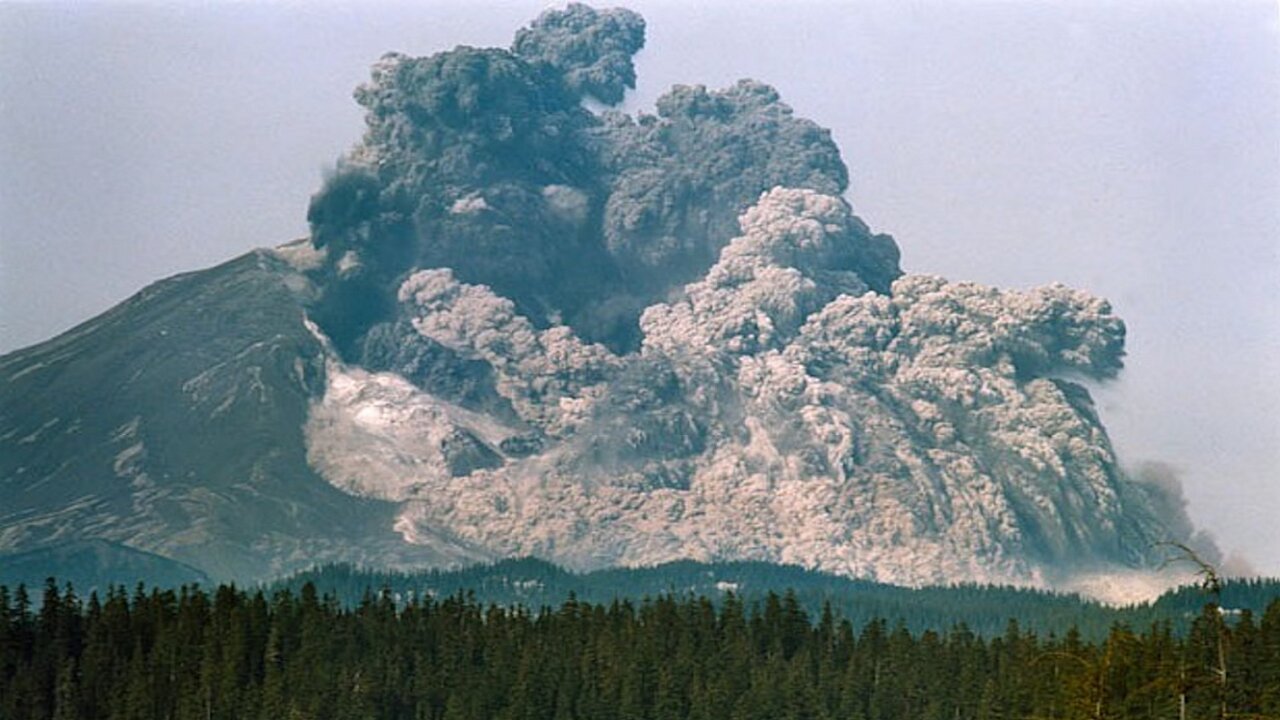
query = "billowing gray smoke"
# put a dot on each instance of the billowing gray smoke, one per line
(611, 339)
(589, 50)
(484, 161)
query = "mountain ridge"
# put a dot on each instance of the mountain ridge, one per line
(984, 609)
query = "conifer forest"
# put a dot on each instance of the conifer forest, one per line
(232, 654)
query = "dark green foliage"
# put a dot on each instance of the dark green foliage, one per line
(983, 610)
(1252, 593)
(238, 655)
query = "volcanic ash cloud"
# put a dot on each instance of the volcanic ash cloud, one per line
(602, 338)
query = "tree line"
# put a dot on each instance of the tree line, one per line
(234, 654)
(984, 609)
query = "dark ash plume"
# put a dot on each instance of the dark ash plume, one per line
(484, 161)
(590, 49)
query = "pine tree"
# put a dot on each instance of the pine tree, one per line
(1245, 658)
(1269, 664)
(66, 695)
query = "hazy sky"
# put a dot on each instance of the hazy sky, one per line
(1132, 149)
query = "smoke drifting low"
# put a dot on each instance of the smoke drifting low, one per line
(663, 336)
(1164, 484)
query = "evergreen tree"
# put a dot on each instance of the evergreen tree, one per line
(228, 654)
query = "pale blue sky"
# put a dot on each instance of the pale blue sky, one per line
(1132, 149)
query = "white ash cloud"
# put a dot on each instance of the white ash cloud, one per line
(766, 282)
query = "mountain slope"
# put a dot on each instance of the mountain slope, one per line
(173, 424)
(90, 565)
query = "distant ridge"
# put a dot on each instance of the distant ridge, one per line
(985, 609)
(94, 565)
